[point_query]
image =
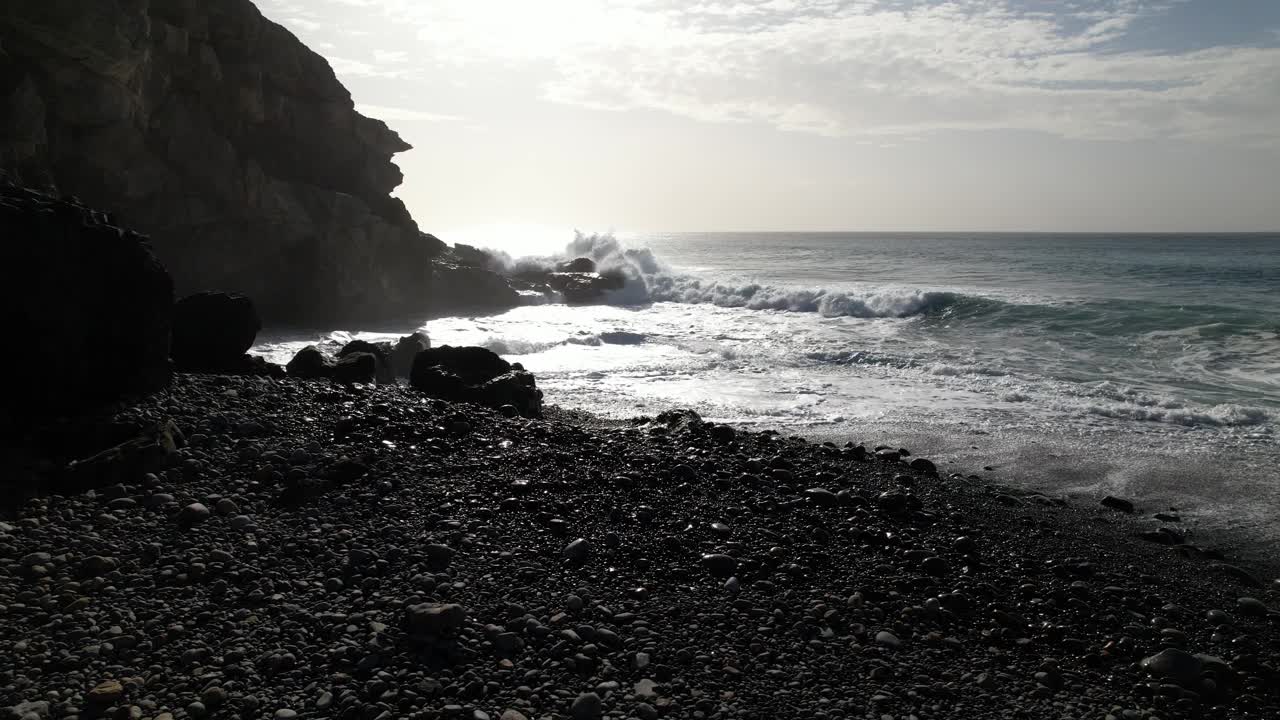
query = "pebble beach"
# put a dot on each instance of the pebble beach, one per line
(310, 549)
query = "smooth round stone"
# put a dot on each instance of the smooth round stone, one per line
(193, 514)
(822, 497)
(158, 500)
(891, 501)
(1173, 664)
(213, 697)
(106, 692)
(720, 565)
(1251, 607)
(723, 433)
(577, 551)
(935, 566)
(587, 706)
(285, 714)
(888, 639)
(439, 556)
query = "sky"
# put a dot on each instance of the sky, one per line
(661, 115)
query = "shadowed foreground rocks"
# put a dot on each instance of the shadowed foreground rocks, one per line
(477, 375)
(87, 305)
(213, 331)
(306, 549)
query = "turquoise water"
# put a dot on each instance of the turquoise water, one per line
(1141, 365)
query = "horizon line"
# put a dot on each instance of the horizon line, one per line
(955, 232)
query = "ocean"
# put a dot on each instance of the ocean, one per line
(1146, 366)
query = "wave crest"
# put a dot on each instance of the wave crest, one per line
(1224, 415)
(650, 280)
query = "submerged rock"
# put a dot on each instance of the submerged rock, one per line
(577, 265)
(583, 287)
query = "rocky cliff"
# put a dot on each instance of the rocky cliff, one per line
(223, 137)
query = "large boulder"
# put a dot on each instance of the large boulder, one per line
(584, 287)
(221, 135)
(474, 365)
(406, 349)
(381, 353)
(352, 365)
(478, 375)
(212, 331)
(310, 364)
(356, 367)
(88, 302)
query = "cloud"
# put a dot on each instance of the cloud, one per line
(861, 68)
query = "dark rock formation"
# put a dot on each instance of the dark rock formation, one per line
(381, 354)
(310, 364)
(468, 279)
(225, 139)
(583, 287)
(470, 255)
(356, 367)
(90, 306)
(478, 375)
(457, 287)
(357, 362)
(406, 350)
(213, 331)
(577, 265)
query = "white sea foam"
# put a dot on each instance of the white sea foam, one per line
(1224, 415)
(649, 280)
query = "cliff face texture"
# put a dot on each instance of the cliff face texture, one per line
(225, 139)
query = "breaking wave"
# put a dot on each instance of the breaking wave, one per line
(649, 280)
(1224, 415)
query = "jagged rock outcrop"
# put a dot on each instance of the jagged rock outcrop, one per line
(88, 304)
(223, 137)
(460, 288)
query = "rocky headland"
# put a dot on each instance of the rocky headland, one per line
(218, 134)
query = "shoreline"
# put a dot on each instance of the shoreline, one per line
(335, 511)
